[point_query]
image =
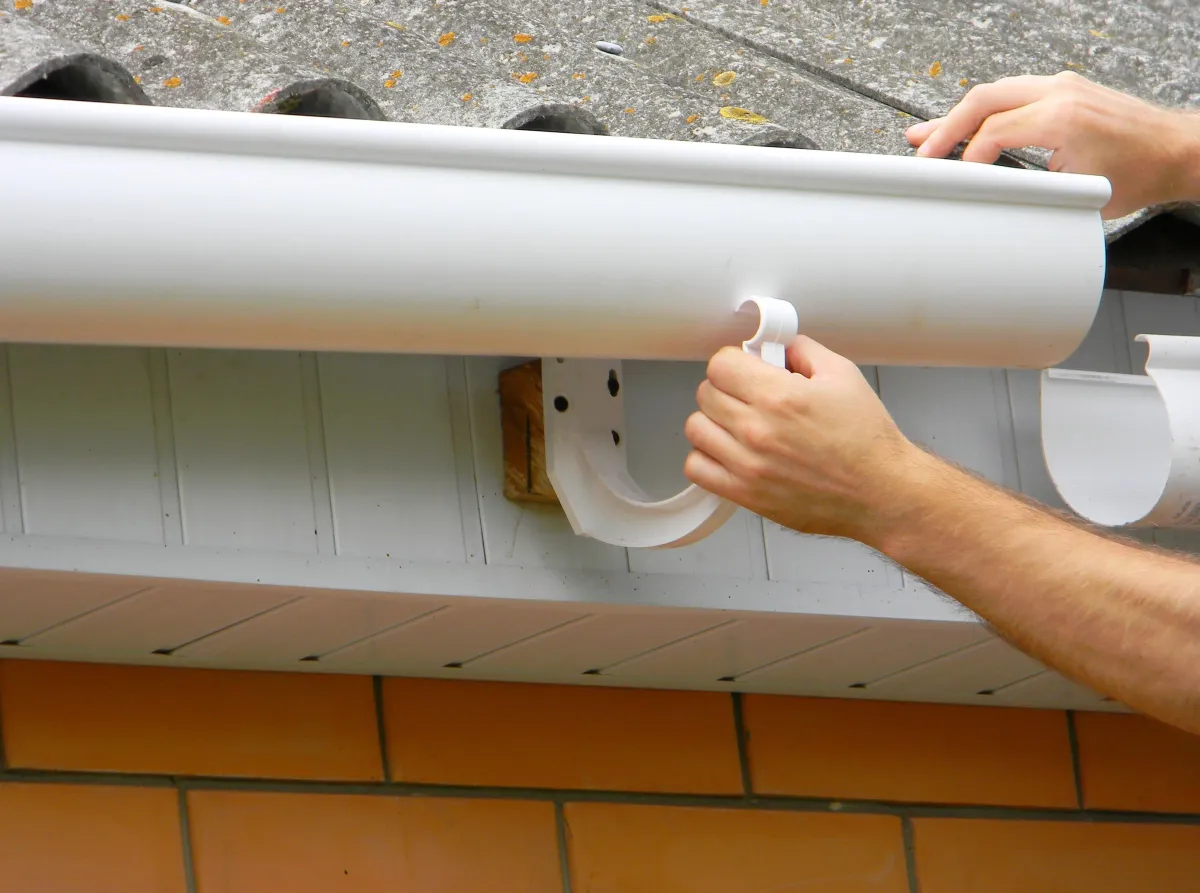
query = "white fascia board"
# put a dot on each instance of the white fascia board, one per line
(194, 228)
(1122, 449)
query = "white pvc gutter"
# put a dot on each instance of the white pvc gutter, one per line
(189, 228)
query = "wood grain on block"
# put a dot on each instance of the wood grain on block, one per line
(524, 431)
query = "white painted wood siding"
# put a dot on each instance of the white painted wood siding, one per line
(250, 509)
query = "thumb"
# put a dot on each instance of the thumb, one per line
(812, 360)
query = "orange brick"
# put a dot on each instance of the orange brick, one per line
(314, 843)
(1129, 762)
(105, 718)
(557, 736)
(669, 849)
(97, 838)
(928, 753)
(997, 856)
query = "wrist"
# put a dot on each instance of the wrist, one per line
(901, 506)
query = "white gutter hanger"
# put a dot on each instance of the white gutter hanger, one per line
(142, 225)
(1124, 450)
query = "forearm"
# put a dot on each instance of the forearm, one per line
(1184, 173)
(1123, 619)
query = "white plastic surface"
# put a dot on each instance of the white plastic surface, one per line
(585, 447)
(1124, 450)
(183, 227)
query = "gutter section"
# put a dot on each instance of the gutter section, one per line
(198, 228)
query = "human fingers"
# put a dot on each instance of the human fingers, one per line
(811, 358)
(743, 376)
(716, 442)
(726, 411)
(977, 106)
(1013, 129)
(709, 474)
(918, 133)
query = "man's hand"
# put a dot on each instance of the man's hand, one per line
(813, 449)
(1150, 155)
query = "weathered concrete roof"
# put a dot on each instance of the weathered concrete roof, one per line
(827, 74)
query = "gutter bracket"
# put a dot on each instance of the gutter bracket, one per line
(585, 447)
(1122, 450)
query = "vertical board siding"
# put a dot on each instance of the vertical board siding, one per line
(521, 534)
(241, 447)
(954, 413)
(393, 476)
(85, 442)
(10, 478)
(659, 397)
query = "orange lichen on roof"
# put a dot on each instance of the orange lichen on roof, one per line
(935, 70)
(692, 119)
(446, 39)
(122, 18)
(172, 82)
(528, 77)
(522, 38)
(223, 20)
(744, 115)
(725, 78)
(22, 4)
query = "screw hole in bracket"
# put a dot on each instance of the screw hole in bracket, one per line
(614, 386)
(561, 404)
(616, 439)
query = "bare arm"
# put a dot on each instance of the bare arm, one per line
(1111, 614)
(816, 451)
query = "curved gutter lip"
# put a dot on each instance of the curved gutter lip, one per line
(215, 132)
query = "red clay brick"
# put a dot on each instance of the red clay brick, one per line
(315, 843)
(1130, 762)
(930, 753)
(557, 736)
(666, 849)
(105, 718)
(98, 838)
(998, 856)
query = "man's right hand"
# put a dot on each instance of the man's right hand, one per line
(1150, 155)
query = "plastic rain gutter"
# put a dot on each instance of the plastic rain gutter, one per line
(133, 225)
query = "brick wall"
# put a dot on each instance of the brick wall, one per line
(141, 779)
